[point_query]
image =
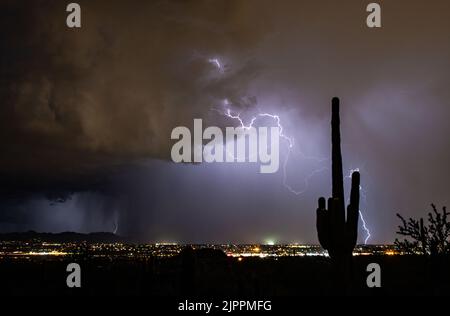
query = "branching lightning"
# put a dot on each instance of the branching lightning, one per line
(365, 227)
(252, 121)
(290, 145)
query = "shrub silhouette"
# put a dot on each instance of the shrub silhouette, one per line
(430, 239)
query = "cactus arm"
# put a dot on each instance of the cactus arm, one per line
(322, 224)
(353, 212)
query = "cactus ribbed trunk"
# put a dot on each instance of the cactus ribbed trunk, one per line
(336, 161)
(338, 234)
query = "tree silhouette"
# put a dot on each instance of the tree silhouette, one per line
(430, 239)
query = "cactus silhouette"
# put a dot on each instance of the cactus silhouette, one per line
(337, 234)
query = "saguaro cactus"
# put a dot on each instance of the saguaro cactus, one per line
(337, 234)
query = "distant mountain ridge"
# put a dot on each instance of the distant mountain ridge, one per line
(99, 237)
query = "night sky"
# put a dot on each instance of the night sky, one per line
(86, 114)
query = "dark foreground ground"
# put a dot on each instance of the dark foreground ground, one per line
(213, 274)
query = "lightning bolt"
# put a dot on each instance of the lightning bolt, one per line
(252, 121)
(216, 62)
(116, 226)
(116, 223)
(289, 140)
(290, 145)
(365, 227)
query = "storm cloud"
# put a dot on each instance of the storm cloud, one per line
(86, 114)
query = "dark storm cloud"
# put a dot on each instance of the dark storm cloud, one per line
(76, 103)
(85, 110)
